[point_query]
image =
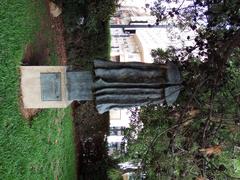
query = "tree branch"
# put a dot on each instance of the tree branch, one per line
(228, 46)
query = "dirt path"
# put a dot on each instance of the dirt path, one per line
(58, 35)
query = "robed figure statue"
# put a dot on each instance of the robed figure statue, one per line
(129, 84)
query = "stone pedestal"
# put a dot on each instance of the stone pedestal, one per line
(112, 85)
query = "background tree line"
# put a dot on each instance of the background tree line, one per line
(198, 138)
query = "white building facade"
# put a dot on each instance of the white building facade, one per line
(135, 45)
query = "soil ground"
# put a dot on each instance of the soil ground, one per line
(43, 148)
(90, 128)
(90, 138)
(83, 45)
(48, 41)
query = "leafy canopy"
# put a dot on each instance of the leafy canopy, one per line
(198, 138)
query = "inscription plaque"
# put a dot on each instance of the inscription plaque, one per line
(51, 86)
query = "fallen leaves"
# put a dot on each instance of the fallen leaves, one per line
(54, 9)
(201, 178)
(216, 150)
(193, 113)
(59, 130)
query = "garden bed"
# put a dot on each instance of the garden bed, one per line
(85, 42)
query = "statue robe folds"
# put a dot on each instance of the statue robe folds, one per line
(124, 85)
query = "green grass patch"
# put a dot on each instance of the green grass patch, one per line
(45, 150)
(114, 174)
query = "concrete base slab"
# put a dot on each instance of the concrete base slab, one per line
(31, 87)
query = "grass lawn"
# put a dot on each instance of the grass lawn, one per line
(45, 150)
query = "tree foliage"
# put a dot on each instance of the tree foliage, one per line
(214, 23)
(94, 12)
(198, 138)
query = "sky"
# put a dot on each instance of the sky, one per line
(140, 3)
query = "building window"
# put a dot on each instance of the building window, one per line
(130, 56)
(116, 58)
(117, 131)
